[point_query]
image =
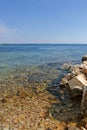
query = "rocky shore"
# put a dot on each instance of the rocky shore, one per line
(76, 83)
(39, 99)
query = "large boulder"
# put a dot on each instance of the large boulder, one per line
(77, 81)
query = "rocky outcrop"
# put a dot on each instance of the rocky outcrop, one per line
(76, 80)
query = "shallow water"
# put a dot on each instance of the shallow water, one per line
(26, 55)
(29, 85)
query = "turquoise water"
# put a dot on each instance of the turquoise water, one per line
(14, 56)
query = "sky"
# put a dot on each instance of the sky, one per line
(43, 21)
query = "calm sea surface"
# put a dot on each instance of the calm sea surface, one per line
(26, 55)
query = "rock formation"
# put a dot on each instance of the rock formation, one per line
(76, 80)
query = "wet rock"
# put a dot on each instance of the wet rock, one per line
(84, 58)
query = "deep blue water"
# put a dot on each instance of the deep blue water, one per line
(20, 55)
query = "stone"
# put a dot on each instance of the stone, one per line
(73, 128)
(69, 76)
(83, 123)
(76, 91)
(66, 66)
(84, 58)
(83, 68)
(84, 99)
(84, 62)
(77, 81)
(64, 81)
(75, 70)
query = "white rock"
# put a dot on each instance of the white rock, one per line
(77, 81)
(76, 70)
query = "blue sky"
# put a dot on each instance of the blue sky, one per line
(43, 21)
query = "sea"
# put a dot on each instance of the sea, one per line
(14, 57)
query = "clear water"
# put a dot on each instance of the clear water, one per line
(21, 55)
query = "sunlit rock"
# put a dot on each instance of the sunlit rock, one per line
(77, 81)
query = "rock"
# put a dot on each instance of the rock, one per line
(69, 76)
(82, 128)
(64, 81)
(77, 81)
(76, 91)
(84, 58)
(84, 62)
(75, 70)
(84, 99)
(83, 122)
(83, 68)
(73, 128)
(66, 66)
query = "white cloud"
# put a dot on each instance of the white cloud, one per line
(7, 34)
(4, 29)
